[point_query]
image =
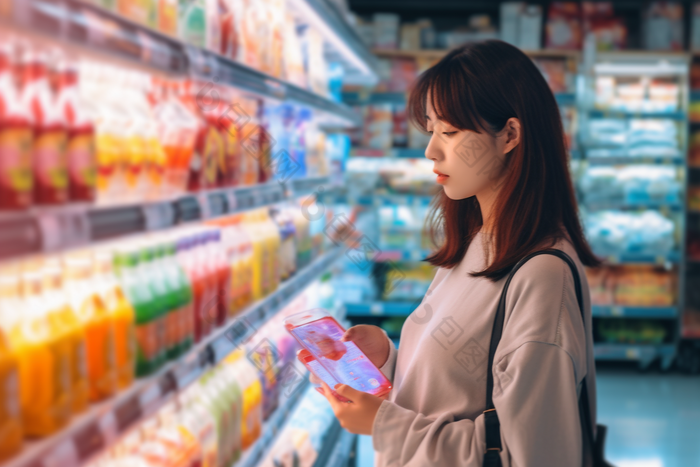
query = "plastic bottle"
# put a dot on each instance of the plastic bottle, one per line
(121, 313)
(251, 388)
(149, 311)
(80, 145)
(44, 357)
(16, 180)
(65, 318)
(49, 145)
(98, 324)
(10, 405)
(177, 132)
(220, 269)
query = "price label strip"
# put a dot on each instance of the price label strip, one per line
(158, 216)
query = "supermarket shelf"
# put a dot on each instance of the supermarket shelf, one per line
(644, 354)
(272, 427)
(401, 255)
(381, 308)
(103, 423)
(631, 258)
(437, 54)
(620, 114)
(58, 228)
(362, 98)
(615, 311)
(661, 206)
(80, 24)
(399, 98)
(343, 44)
(624, 160)
(339, 455)
(394, 152)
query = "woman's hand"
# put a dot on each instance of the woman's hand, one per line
(371, 340)
(356, 416)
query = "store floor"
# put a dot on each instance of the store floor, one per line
(653, 419)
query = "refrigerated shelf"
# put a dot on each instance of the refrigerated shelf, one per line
(51, 229)
(650, 312)
(79, 24)
(645, 354)
(407, 153)
(105, 422)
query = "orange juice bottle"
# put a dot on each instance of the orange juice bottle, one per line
(98, 325)
(64, 319)
(43, 353)
(11, 431)
(122, 315)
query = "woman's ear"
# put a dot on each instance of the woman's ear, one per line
(510, 135)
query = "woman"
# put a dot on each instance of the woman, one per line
(497, 147)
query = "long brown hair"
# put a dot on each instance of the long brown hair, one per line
(479, 87)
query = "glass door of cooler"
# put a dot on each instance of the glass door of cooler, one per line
(631, 184)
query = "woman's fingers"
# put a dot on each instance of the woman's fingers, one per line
(335, 403)
(348, 392)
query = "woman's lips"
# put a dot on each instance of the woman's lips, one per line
(441, 178)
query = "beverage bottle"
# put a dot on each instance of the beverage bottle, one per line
(80, 145)
(150, 313)
(10, 405)
(120, 312)
(251, 389)
(149, 259)
(49, 144)
(64, 317)
(209, 147)
(97, 94)
(44, 356)
(178, 299)
(174, 249)
(98, 324)
(245, 253)
(207, 266)
(274, 241)
(220, 270)
(16, 179)
(177, 131)
(232, 398)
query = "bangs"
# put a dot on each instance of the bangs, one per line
(447, 86)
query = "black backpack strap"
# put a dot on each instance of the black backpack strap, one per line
(492, 425)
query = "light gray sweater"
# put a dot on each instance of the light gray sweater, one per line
(433, 416)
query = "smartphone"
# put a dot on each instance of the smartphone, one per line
(321, 373)
(319, 333)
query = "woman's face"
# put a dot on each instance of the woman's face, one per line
(468, 163)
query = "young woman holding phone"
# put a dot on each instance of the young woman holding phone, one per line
(497, 147)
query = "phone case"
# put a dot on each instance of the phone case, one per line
(319, 334)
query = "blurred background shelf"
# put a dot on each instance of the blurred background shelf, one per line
(106, 421)
(616, 311)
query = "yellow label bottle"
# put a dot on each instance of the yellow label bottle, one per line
(98, 325)
(11, 431)
(65, 320)
(44, 358)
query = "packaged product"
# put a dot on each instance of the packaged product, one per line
(16, 132)
(564, 26)
(192, 22)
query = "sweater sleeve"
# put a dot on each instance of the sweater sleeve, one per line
(390, 364)
(536, 401)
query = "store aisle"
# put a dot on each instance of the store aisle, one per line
(653, 419)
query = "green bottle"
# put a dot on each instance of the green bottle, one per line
(150, 327)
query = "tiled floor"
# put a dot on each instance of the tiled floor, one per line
(653, 419)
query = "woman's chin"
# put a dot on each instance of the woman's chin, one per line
(456, 196)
